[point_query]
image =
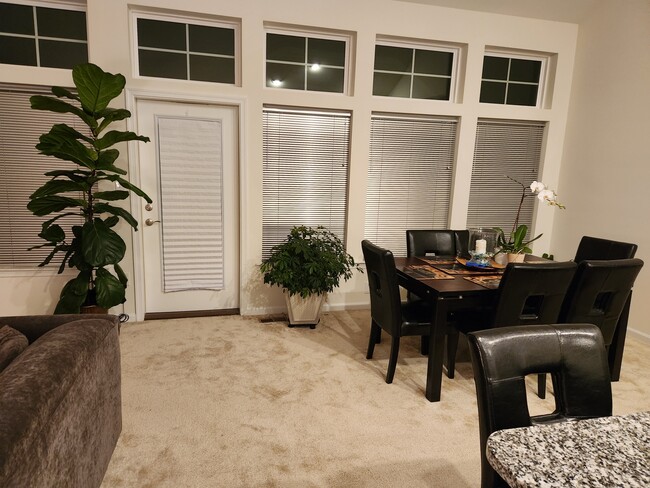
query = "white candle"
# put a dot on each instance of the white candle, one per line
(480, 246)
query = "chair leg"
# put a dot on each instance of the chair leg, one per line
(392, 362)
(452, 347)
(541, 385)
(375, 331)
(424, 345)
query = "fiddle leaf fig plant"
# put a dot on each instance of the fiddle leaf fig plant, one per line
(77, 188)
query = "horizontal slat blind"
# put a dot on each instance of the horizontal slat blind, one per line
(510, 148)
(306, 158)
(191, 187)
(22, 171)
(409, 177)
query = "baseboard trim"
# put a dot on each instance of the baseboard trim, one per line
(190, 314)
(641, 336)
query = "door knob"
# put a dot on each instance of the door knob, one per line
(151, 222)
(148, 207)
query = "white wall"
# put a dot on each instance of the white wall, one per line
(109, 44)
(606, 162)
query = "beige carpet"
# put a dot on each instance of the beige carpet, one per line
(233, 402)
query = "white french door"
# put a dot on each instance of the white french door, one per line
(190, 233)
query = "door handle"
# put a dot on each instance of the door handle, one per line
(151, 222)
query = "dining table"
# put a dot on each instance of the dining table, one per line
(604, 452)
(448, 284)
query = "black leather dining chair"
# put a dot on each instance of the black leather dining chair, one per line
(574, 354)
(528, 294)
(387, 311)
(597, 248)
(598, 293)
(437, 242)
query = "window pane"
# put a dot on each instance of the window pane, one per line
(391, 58)
(525, 70)
(522, 94)
(495, 68)
(16, 19)
(326, 51)
(433, 62)
(160, 34)
(290, 76)
(391, 85)
(214, 40)
(431, 88)
(208, 68)
(493, 92)
(17, 50)
(326, 79)
(61, 54)
(163, 64)
(285, 48)
(64, 24)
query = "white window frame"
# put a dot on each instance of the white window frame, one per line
(187, 19)
(313, 33)
(78, 6)
(381, 199)
(543, 74)
(424, 46)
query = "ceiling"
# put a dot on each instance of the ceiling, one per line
(574, 11)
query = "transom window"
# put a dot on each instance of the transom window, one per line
(414, 72)
(306, 62)
(32, 35)
(168, 48)
(512, 80)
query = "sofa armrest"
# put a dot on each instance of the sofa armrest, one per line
(34, 326)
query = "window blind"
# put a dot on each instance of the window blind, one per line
(22, 171)
(190, 161)
(511, 148)
(305, 178)
(409, 177)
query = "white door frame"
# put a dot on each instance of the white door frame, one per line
(132, 97)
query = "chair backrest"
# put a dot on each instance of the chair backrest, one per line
(462, 243)
(385, 301)
(575, 356)
(598, 293)
(430, 242)
(532, 293)
(597, 248)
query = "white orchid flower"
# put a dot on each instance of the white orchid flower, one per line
(537, 186)
(547, 196)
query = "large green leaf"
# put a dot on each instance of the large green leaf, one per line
(100, 244)
(53, 187)
(74, 294)
(67, 131)
(108, 289)
(129, 186)
(112, 195)
(111, 115)
(64, 92)
(48, 205)
(40, 102)
(74, 174)
(115, 136)
(67, 149)
(106, 159)
(118, 211)
(121, 275)
(96, 87)
(52, 233)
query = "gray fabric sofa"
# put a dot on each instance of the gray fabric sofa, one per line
(60, 402)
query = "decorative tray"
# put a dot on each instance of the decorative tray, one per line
(492, 266)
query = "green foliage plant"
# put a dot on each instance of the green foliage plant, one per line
(311, 261)
(87, 159)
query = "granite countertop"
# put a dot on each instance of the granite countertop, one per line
(605, 452)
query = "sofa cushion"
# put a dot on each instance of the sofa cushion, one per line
(12, 343)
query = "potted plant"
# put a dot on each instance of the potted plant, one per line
(514, 244)
(307, 265)
(87, 160)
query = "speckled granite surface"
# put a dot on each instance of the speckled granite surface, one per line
(605, 452)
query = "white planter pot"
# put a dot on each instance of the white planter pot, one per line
(304, 311)
(516, 258)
